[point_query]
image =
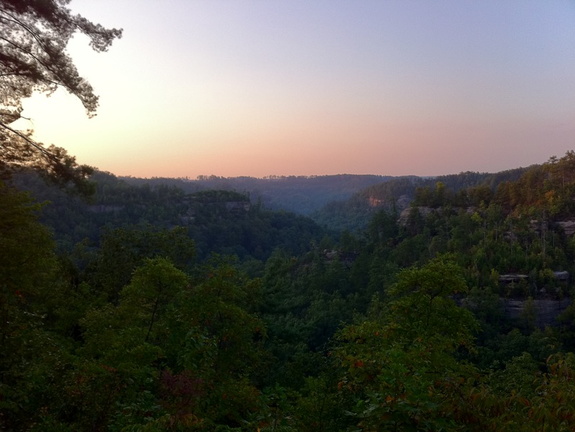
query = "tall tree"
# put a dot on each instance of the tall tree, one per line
(27, 269)
(34, 35)
(402, 362)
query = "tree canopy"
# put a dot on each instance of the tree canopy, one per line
(34, 35)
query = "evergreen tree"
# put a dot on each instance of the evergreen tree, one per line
(33, 39)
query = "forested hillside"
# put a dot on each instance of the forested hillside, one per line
(396, 194)
(297, 194)
(165, 310)
(441, 304)
(219, 221)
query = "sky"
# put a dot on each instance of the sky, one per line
(299, 87)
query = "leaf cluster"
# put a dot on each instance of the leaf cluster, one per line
(33, 39)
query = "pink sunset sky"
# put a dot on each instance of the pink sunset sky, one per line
(299, 87)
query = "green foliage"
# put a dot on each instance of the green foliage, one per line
(25, 246)
(124, 249)
(523, 398)
(26, 274)
(133, 329)
(220, 221)
(401, 363)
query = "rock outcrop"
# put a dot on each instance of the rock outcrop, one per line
(568, 227)
(406, 213)
(546, 311)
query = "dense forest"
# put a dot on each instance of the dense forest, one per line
(143, 307)
(387, 304)
(298, 194)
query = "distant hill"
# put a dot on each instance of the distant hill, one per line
(354, 213)
(344, 202)
(299, 194)
(219, 221)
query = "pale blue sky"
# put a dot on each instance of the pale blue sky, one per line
(294, 87)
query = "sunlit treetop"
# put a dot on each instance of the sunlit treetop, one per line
(34, 35)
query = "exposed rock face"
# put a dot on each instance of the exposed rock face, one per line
(375, 202)
(546, 311)
(404, 215)
(400, 203)
(238, 206)
(568, 227)
(507, 278)
(102, 208)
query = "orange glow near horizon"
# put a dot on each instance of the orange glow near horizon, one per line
(388, 88)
